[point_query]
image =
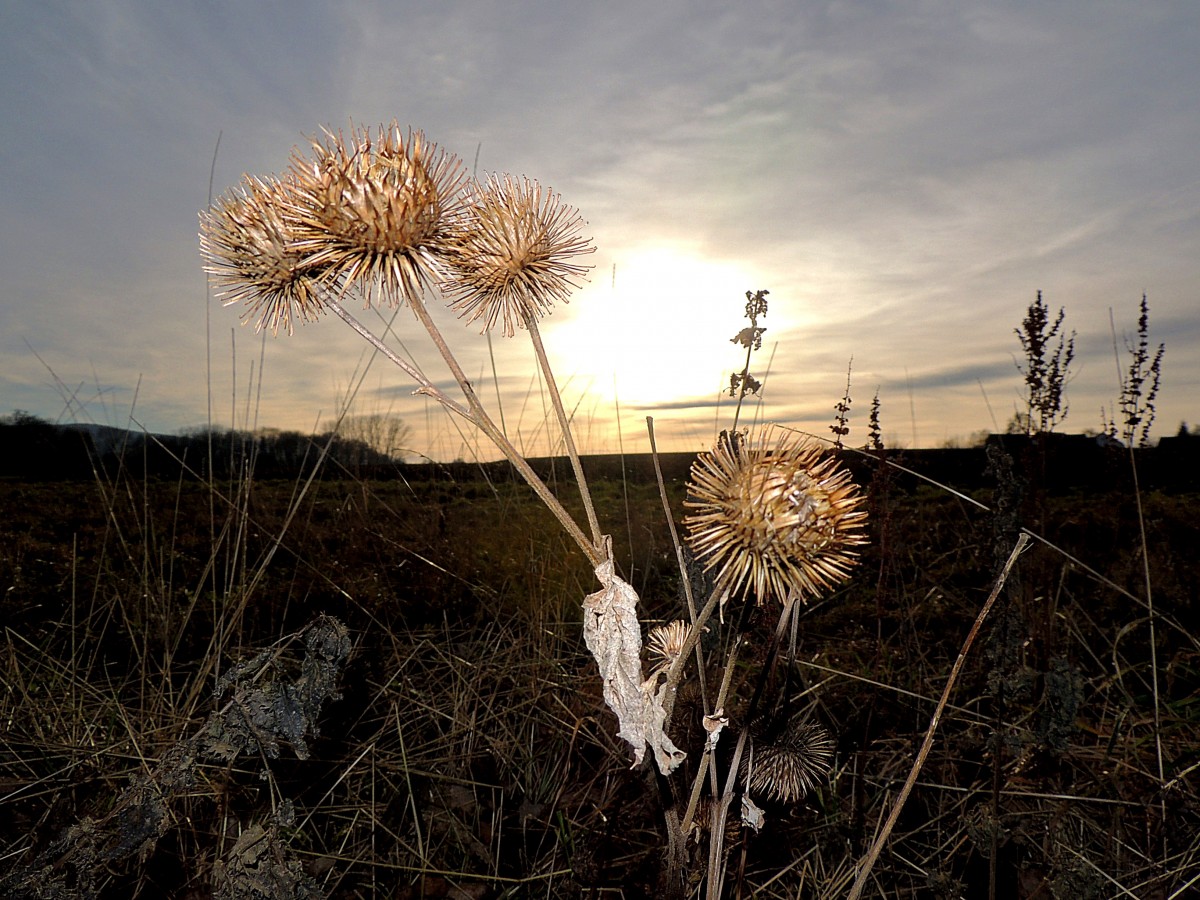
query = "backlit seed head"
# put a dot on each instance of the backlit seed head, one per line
(375, 211)
(251, 253)
(665, 642)
(781, 521)
(514, 254)
(789, 765)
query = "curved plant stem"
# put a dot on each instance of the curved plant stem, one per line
(868, 862)
(594, 550)
(708, 765)
(426, 387)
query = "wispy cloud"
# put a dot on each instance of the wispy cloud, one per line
(903, 179)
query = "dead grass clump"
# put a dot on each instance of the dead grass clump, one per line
(262, 711)
(472, 751)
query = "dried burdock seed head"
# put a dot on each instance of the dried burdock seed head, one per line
(251, 253)
(781, 521)
(375, 211)
(514, 254)
(788, 765)
(665, 643)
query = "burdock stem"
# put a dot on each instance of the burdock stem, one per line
(564, 425)
(684, 577)
(473, 413)
(716, 870)
(426, 386)
(675, 672)
(708, 764)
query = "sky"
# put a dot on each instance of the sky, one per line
(902, 177)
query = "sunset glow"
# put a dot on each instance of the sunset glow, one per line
(656, 330)
(903, 181)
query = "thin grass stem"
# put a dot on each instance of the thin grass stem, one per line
(864, 871)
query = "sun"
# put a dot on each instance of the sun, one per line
(655, 329)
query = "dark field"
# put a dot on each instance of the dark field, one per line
(458, 745)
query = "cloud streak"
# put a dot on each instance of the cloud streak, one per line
(903, 180)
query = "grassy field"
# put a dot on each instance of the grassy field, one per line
(361, 688)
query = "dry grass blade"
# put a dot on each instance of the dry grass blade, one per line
(868, 862)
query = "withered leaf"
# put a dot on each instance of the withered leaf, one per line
(612, 634)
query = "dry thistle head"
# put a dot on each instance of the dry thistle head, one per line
(250, 250)
(375, 212)
(665, 643)
(512, 256)
(789, 764)
(781, 521)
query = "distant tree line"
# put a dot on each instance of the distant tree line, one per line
(36, 449)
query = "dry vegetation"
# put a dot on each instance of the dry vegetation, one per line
(333, 686)
(470, 753)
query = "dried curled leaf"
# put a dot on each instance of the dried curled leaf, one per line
(612, 634)
(752, 814)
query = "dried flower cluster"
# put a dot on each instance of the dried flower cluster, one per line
(781, 521)
(702, 823)
(513, 256)
(390, 215)
(789, 764)
(666, 642)
(251, 253)
(374, 212)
